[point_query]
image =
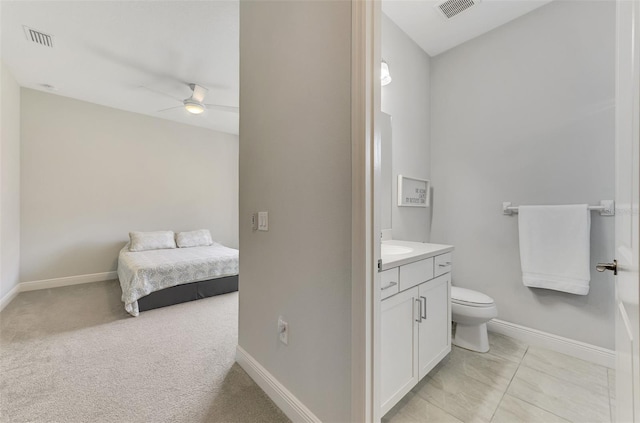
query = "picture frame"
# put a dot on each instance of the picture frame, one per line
(413, 192)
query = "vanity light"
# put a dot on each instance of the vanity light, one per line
(385, 76)
(193, 107)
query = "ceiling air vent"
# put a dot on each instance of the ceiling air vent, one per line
(38, 37)
(451, 8)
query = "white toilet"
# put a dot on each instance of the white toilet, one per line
(471, 310)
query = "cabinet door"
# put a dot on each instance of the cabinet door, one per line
(399, 339)
(435, 327)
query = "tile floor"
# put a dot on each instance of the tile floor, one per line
(511, 383)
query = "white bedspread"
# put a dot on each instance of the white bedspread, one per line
(144, 272)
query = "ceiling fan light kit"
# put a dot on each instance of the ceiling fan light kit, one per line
(193, 106)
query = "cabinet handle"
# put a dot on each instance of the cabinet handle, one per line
(419, 319)
(423, 316)
(389, 286)
(448, 263)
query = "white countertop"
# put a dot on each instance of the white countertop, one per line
(420, 251)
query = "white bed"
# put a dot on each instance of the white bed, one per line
(144, 272)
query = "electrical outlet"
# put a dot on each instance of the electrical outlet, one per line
(283, 330)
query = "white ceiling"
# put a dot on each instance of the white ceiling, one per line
(104, 51)
(424, 24)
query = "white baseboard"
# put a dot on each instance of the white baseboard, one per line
(69, 280)
(581, 350)
(55, 283)
(9, 296)
(284, 399)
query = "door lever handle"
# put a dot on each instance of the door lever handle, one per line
(601, 267)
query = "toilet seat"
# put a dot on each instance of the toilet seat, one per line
(470, 298)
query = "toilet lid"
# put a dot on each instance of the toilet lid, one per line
(469, 296)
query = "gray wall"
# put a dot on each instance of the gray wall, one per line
(525, 114)
(407, 100)
(91, 174)
(9, 182)
(295, 163)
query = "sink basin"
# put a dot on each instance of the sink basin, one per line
(390, 250)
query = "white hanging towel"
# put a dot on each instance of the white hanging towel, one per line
(554, 247)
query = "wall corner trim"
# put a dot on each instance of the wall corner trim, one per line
(577, 349)
(67, 281)
(291, 406)
(9, 296)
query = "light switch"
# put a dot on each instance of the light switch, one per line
(263, 221)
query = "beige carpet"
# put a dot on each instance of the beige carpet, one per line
(73, 354)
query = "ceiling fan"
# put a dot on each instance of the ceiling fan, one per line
(195, 103)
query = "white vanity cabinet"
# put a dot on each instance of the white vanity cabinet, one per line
(415, 324)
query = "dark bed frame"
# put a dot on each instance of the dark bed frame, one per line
(188, 292)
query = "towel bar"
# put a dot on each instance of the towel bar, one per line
(606, 208)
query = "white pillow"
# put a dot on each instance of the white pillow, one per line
(199, 238)
(142, 241)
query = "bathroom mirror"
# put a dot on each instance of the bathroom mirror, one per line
(386, 171)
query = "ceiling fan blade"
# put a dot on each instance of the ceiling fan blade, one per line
(171, 108)
(198, 92)
(161, 93)
(223, 108)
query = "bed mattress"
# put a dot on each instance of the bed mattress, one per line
(144, 272)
